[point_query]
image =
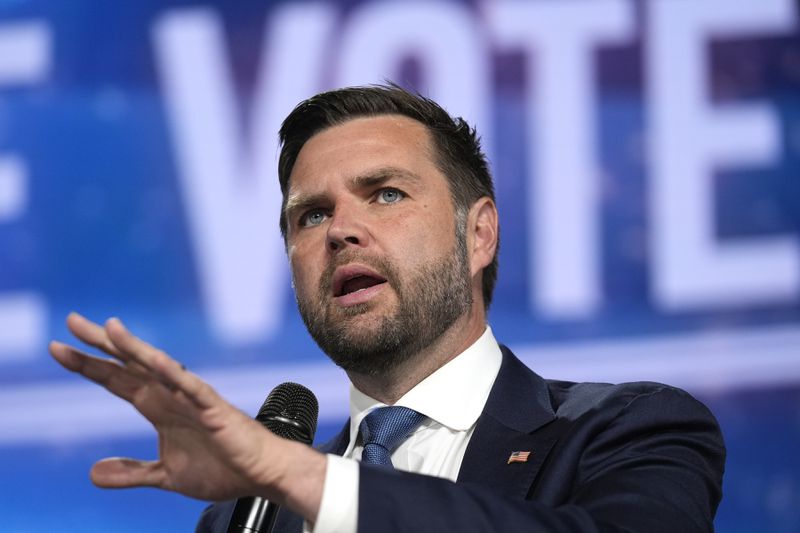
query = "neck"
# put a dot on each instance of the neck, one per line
(391, 386)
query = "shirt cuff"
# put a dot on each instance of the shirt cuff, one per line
(338, 511)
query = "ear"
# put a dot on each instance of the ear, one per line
(482, 232)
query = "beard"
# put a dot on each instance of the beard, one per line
(428, 303)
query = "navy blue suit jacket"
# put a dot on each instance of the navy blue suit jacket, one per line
(633, 457)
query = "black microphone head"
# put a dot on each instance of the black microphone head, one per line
(290, 411)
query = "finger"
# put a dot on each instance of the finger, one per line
(108, 373)
(92, 334)
(167, 370)
(95, 335)
(120, 472)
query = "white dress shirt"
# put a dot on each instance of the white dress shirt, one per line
(452, 399)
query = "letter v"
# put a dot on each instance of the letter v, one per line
(230, 187)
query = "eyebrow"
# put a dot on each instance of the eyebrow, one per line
(382, 175)
(373, 178)
(301, 202)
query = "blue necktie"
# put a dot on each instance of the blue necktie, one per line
(384, 429)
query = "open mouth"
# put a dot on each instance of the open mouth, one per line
(358, 283)
(355, 278)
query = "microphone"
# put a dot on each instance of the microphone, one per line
(290, 411)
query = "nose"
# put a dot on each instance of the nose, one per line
(346, 229)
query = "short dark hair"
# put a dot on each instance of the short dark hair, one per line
(456, 145)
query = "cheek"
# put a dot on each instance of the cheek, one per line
(304, 270)
(418, 244)
(306, 287)
(438, 231)
(402, 240)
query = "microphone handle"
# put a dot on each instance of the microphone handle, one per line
(253, 515)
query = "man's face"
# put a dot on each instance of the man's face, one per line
(379, 265)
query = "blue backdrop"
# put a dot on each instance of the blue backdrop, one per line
(646, 156)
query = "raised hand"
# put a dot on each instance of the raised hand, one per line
(208, 449)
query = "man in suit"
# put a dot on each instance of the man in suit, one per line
(392, 234)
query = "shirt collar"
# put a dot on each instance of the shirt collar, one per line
(454, 395)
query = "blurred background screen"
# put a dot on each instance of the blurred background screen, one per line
(647, 162)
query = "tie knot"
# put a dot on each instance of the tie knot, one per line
(384, 429)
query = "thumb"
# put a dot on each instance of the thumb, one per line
(121, 472)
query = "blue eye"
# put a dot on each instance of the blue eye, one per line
(390, 196)
(312, 218)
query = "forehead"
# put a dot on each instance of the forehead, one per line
(361, 145)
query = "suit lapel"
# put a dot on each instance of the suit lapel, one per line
(517, 418)
(338, 444)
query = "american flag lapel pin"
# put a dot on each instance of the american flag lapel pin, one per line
(518, 457)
